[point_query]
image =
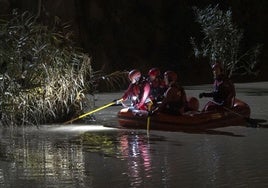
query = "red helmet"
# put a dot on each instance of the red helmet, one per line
(217, 65)
(171, 76)
(154, 72)
(134, 75)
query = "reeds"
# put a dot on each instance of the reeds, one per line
(42, 76)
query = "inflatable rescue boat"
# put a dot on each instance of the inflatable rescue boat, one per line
(189, 121)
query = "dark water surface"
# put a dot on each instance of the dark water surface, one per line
(96, 156)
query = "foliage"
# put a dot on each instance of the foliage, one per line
(110, 82)
(42, 78)
(98, 143)
(222, 40)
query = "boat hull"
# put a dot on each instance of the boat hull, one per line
(190, 121)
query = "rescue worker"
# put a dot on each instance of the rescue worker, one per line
(157, 85)
(223, 93)
(138, 90)
(174, 98)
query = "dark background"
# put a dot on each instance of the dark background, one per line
(127, 34)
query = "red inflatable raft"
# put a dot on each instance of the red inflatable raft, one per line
(190, 121)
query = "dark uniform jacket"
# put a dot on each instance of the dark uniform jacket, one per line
(174, 100)
(223, 92)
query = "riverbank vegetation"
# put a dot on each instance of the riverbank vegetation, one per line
(222, 42)
(43, 78)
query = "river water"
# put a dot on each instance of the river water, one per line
(94, 155)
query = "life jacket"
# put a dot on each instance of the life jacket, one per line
(157, 90)
(135, 92)
(224, 91)
(174, 100)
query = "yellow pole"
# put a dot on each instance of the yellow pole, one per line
(149, 117)
(91, 112)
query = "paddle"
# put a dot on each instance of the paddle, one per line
(93, 111)
(250, 121)
(253, 122)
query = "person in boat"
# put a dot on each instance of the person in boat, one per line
(223, 93)
(157, 86)
(174, 97)
(138, 91)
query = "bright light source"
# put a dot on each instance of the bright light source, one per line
(81, 128)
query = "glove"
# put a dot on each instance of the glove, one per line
(201, 95)
(151, 113)
(116, 101)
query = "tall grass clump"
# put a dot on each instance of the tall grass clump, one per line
(222, 42)
(42, 76)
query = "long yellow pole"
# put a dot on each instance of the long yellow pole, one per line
(149, 117)
(91, 112)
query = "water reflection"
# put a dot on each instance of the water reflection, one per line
(26, 158)
(131, 148)
(136, 150)
(121, 158)
(211, 160)
(51, 159)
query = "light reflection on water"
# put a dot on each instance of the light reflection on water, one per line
(29, 160)
(95, 156)
(135, 149)
(120, 158)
